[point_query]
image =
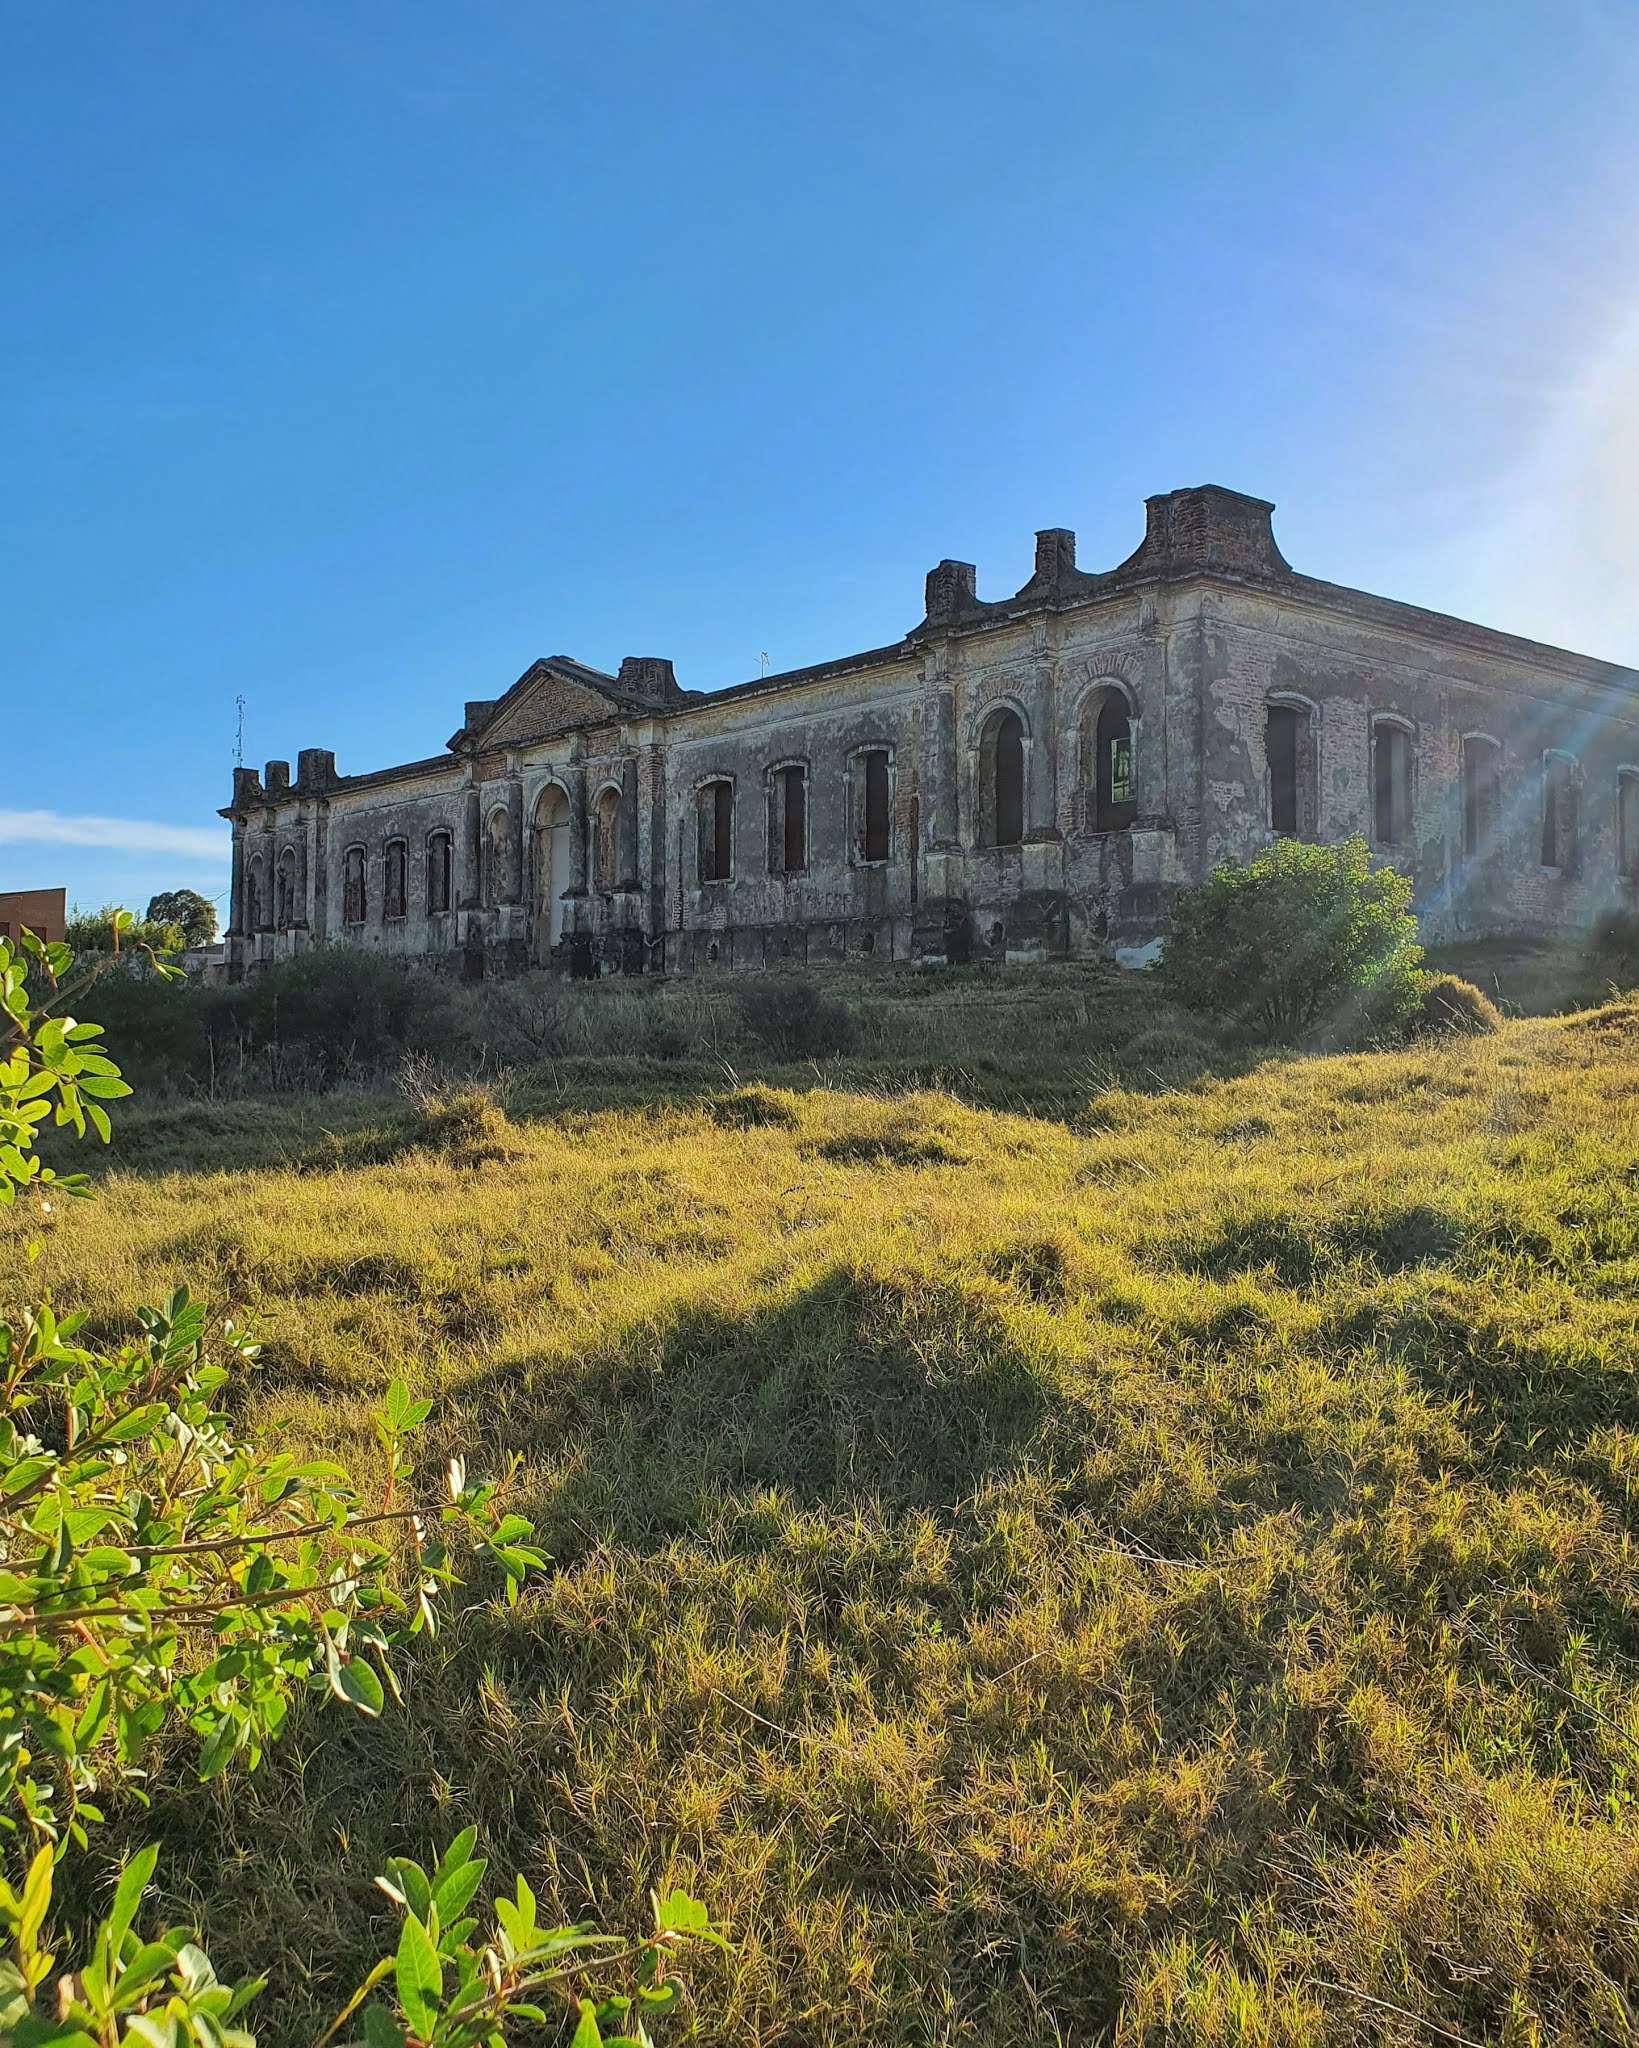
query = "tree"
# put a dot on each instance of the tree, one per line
(193, 915)
(1300, 939)
(161, 1567)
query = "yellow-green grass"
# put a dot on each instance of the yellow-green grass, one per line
(1160, 1572)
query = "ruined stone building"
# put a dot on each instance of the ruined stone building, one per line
(1021, 778)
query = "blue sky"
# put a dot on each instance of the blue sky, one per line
(356, 354)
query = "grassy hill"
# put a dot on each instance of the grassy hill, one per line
(1103, 1550)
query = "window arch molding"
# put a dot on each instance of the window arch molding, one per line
(987, 713)
(1099, 686)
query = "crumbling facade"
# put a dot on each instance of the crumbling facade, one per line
(1028, 778)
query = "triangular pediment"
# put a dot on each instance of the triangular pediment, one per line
(550, 697)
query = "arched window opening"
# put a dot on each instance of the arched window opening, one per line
(552, 868)
(1001, 780)
(1559, 812)
(255, 896)
(1482, 795)
(1627, 823)
(440, 872)
(353, 895)
(872, 805)
(285, 900)
(606, 842)
(788, 821)
(1107, 762)
(495, 859)
(1391, 784)
(714, 818)
(395, 879)
(1289, 750)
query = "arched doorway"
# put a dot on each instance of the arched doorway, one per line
(551, 869)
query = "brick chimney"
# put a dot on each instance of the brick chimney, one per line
(952, 588)
(648, 676)
(1209, 528)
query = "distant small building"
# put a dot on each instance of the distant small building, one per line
(43, 911)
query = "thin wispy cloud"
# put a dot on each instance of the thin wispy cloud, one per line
(124, 835)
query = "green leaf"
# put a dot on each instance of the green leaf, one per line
(586, 2034)
(418, 1976)
(134, 1881)
(381, 2030)
(455, 1889)
(359, 1684)
(36, 1900)
(678, 1913)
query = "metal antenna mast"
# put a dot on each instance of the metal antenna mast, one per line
(239, 739)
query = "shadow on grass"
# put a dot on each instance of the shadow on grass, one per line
(856, 1389)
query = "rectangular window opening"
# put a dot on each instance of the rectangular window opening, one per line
(1627, 825)
(1391, 785)
(715, 820)
(788, 836)
(1559, 818)
(874, 836)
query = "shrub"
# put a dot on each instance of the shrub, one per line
(794, 1019)
(1296, 939)
(160, 1030)
(1448, 1007)
(111, 930)
(1613, 950)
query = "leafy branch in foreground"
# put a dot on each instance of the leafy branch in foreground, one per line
(157, 1566)
(50, 1069)
(160, 1567)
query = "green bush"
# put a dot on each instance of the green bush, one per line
(1448, 1006)
(160, 1029)
(1300, 941)
(324, 1017)
(794, 1019)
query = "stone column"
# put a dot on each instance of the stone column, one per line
(944, 780)
(320, 869)
(304, 826)
(1041, 768)
(236, 887)
(513, 881)
(628, 823)
(577, 830)
(472, 851)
